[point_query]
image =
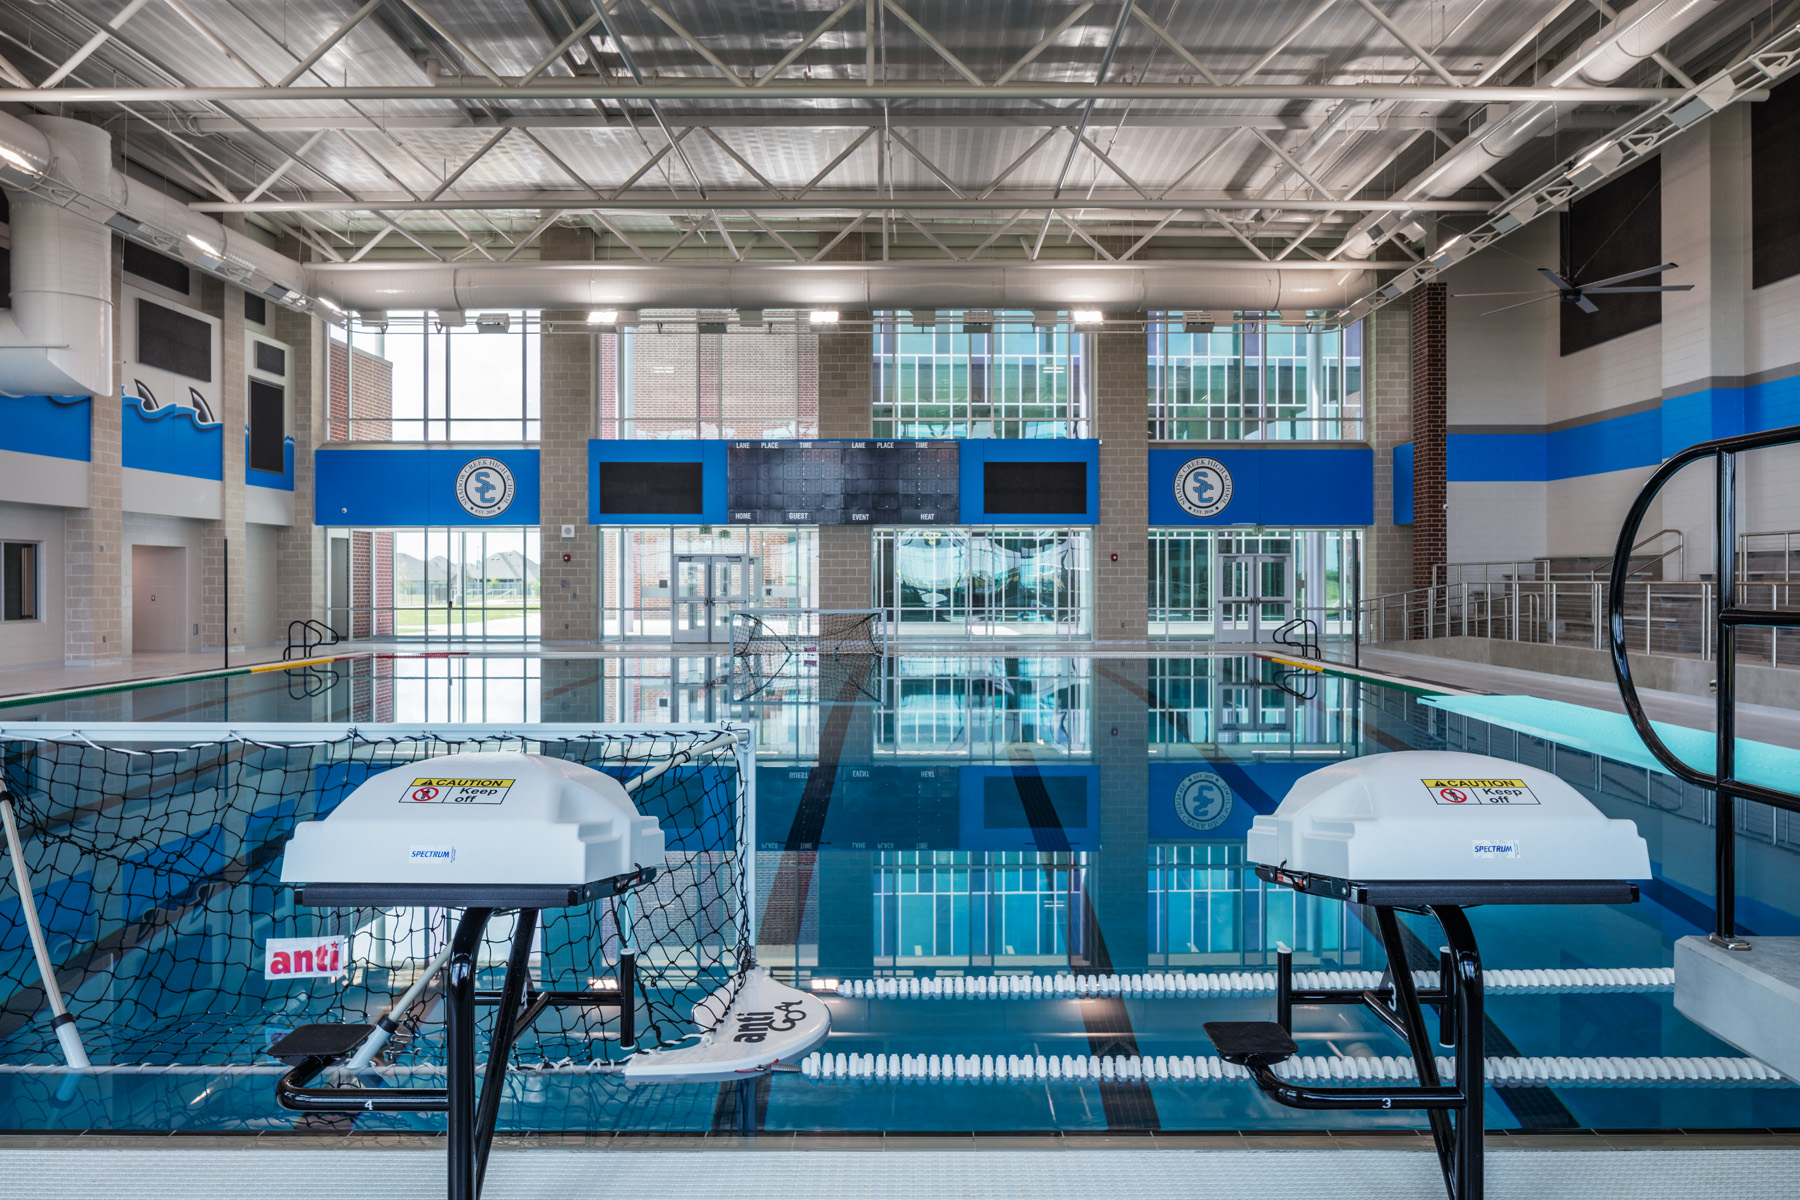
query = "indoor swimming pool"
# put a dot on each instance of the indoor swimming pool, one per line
(1020, 859)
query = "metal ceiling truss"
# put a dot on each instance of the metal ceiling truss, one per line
(1608, 158)
(805, 223)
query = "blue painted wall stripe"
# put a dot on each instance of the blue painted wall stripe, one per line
(1638, 439)
(54, 426)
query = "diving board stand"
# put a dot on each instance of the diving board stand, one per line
(1431, 833)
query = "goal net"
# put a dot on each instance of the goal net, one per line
(828, 656)
(154, 855)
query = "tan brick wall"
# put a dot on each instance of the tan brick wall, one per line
(94, 537)
(567, 393)
(300, 564)
(845, 404)
(1121, 399)
(1387, 383)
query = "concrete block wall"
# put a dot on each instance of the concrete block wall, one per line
(1387, 403)
(93, 561)
(845, 398)
(567, 395)
(1121, 406)
(226, 545)
(300, 563)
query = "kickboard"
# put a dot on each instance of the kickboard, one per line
(767, 1023)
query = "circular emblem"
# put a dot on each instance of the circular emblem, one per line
(1203, 487)
(1203, 801)
(485, 487)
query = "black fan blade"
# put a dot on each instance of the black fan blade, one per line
(1585, 305)
(1600, 283)
(1521, 304)
(1670, 287)
(1562, 285)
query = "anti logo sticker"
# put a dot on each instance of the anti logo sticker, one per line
(456, 791)
(305, 957)
(1469, 792)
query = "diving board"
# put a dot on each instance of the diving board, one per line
(1611, 735)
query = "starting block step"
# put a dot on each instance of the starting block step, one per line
(1251, 1043)
(1750, 998)
(328, 1041)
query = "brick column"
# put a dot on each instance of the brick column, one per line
(1387, 409)
(300, 563)
(570, 591)
(1430, 398)
(223, 592)
(94, 537)
(846, 400)
(1121, 422)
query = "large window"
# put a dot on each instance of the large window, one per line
(690, 376)
(1208, 909)
(728, 566)
(1001, 376)
(19, 581)
(984, 582)
(1244, 584)
(436, 583)
(1255, 380)
(947, 908)
(415, 381)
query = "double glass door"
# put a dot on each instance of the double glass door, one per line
(707, 588)
(1256, 595)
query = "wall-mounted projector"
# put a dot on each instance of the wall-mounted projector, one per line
(500, 829)
(1444, 816)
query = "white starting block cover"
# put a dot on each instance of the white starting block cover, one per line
(767, 1023)
(1442, 815)
(488, 818)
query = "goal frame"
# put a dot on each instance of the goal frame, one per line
(165, 736)
(878, 625)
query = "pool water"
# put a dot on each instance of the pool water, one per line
(970, 816)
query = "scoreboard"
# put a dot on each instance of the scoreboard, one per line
(842, 483)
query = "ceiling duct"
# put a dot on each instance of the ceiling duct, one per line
(57, 339)
(1227, 285)
(1636, 34)
(67, 201)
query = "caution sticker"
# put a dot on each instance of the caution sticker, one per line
(1459, 792)
(456, 791)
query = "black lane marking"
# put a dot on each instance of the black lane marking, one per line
(1128, 1103)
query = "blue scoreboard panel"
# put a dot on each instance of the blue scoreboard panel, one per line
(842, 483)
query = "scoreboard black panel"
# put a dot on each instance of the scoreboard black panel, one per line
(842, 483)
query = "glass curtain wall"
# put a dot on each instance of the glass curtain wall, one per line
(1204, 581)
(415, 381)
(954, 583)
(480, 584)
(1255, 380)
(997, 375)
(980, 707)
(637, 570)
(958, 908)
(1207, 908)
(686, 375)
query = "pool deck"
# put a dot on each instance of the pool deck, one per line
(1676, 1166)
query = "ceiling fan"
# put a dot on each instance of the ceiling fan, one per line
(1578, 293)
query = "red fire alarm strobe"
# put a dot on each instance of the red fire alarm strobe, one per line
(1115, 558)
(566, 558)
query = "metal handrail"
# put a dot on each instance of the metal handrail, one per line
(1727, 618)
(1540, 571)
